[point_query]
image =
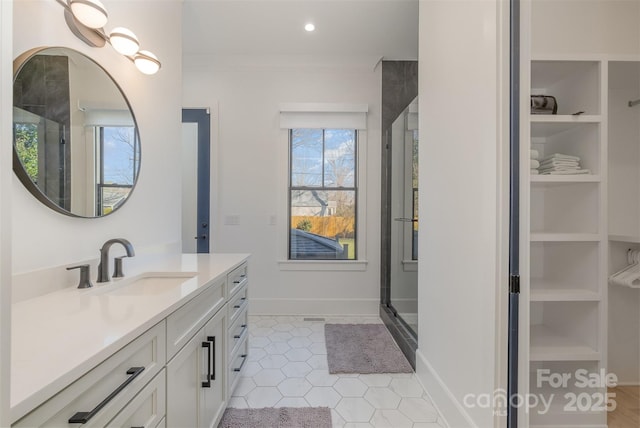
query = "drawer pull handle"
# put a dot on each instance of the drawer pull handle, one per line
(84, 417)
(236, 282)
(244, 275)
(212, 339)
(238, 336)
(244, 359)
(207, 383)
(243, 299)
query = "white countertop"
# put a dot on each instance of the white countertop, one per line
(57, 337)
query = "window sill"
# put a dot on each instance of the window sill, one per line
(323, 265)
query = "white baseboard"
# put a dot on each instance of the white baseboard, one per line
(453, 413)
(263, 306)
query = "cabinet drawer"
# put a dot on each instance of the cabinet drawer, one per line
(236, 363)
(186, 321)
(238, 303)
(147, 409)
(238, 331)
(236, 279)
(122, 375)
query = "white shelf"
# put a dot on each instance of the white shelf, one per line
(565, 118)
(548, 345)
(564, 237)
(587, 178)
(553, 294)
(633, 239)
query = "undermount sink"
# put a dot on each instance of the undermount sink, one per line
(148, 283)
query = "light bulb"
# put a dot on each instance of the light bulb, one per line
(124, 41)
(90, 13)
(309, 27)
(147, 62)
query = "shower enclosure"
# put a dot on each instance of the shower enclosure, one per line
(399, 267)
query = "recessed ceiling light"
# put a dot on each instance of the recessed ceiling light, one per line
(309, 27)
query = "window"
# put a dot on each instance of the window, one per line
(322, 194)
(116, 165)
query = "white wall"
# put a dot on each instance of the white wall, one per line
(585, 27)
(462, 157)
(249, 177)
(151, 217)
(6, 124)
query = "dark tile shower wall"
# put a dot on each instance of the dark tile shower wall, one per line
(399, 88)
(43, 89)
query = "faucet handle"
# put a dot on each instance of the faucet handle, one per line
(117, 267)
(85, 275)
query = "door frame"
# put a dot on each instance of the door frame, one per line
(202, 117)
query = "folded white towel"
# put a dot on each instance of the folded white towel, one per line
(559, 163)
(560, 168)
(560, 156)
(534, 172)
(573, 172)
(534, 163)
(534, 154)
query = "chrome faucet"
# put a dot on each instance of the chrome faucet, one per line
(103, 267)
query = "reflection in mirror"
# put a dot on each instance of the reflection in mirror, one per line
(404, 216)
(76, 143)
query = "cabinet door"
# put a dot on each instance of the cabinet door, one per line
(184, 384)
(213, 401)
(196, 378)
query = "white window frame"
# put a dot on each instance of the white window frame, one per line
(328, 116)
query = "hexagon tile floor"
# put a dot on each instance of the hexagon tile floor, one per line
(287, 366)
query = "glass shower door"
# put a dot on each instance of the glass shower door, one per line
(404, 217)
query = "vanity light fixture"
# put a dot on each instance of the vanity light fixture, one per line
(86, 19)
(91, 13)
(124, 41)
(146, 62)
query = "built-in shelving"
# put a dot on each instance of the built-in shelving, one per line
(568, 231)
(587, 178)
(555, 294)
(632, 239)
(549, 345)
(564, 119)
(564, 237)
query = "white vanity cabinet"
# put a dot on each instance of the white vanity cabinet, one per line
(238, 331)
(196, 378)
(98, 396)
(174, 374)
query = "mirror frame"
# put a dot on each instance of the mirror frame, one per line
(18, 167)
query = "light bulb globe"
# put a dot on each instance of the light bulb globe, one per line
(124, 41)
(90, 13)
(146, 62)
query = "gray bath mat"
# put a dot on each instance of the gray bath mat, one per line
(283, 417)
(363, 348)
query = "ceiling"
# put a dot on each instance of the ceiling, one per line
(380, 28)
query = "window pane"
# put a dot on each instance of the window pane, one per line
(339, 160)
(306, 157)
(26, 144)
(323, 224)
(118, 155)
(112, 198)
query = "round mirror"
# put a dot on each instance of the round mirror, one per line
(76, 145)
